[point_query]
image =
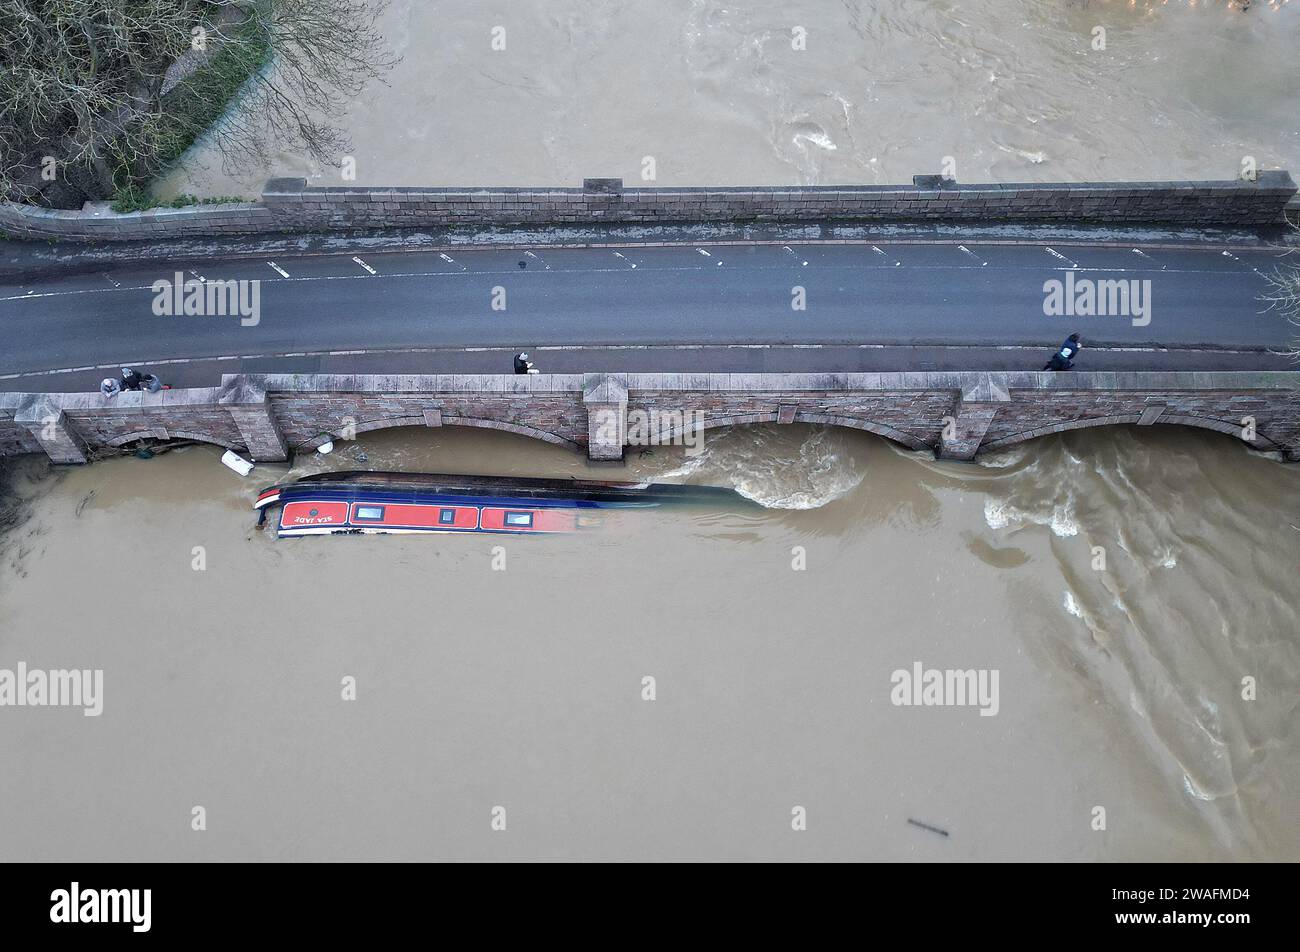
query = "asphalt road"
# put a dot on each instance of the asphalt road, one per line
(899, 306)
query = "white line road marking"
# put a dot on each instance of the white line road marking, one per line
(278, 269)
(963, 248)
(1056, 254)
(372, 270)
(1139, 251)
(703, 252)
(31, 294)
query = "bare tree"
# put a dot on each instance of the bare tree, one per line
(1283, 296)
(106, 92)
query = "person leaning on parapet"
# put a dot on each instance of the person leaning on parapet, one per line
(524, 366)
(134, 380)
(1063, 359)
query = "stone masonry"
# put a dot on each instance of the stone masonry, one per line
(955, 415)
(289, 205)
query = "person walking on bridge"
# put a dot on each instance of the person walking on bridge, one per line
(1063, 359)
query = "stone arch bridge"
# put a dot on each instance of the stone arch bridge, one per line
(957, 415)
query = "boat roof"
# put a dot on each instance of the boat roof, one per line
(515, 487)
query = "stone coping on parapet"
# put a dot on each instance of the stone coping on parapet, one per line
(295, 189)
(976, 385)
(775, 382)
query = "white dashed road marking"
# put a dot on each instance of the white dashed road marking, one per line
(1056, 254)
(279, 270)
(965, 250)
(372, 270)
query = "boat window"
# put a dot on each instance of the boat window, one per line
(519, 519)
(446, 517)
(368, 512)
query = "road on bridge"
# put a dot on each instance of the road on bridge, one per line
(899, 306)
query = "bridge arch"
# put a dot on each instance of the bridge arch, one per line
(854, 423)
(741, 419)
(1261, 442)
(389, 422)
(163, 433)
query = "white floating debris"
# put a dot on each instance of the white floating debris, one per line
(236, 462)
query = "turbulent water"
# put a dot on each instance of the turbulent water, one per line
(1120, 687)
(715, 93)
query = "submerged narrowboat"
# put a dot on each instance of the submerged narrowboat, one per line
(380, 502)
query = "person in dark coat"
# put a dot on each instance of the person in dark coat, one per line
(131, 379)
(1063, 359)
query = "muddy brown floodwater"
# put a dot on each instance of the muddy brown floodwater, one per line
(716, 94)
(1119, 688)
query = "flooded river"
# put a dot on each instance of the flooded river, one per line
(522, 687)
(715, 92)
(1127, 586)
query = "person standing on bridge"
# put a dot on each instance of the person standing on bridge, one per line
(1063, 359)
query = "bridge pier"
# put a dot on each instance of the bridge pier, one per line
(249, 406)
(49, 425)
(963, 430)
(605, 397)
